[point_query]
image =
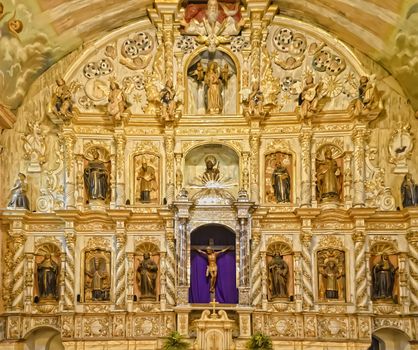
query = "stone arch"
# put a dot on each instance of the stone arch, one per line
(43, 338)
(391, 339)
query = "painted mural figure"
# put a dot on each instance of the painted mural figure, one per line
(47, 278)
(332, 274)
(281, 184)
(19, 189)
(383, 278)
(147, 277)
(96, 178)
(409, 191)
(278, 276)
(212, 268)
(327, 176)
(146, 182)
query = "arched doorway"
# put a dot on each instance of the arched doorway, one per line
(217, 237)
(389, 339)
(44, 338)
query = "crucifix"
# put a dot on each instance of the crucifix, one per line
(212, 252)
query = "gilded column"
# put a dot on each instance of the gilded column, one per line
(120, 290)
(245, 173)
(412, 238)
(169, 151)
(359, 172)
(79, 181)
(169, 264)
(19, 240)
(69, 187)
(256, 39)
(120, 141)
(8, 265)
(307, 282)
(362, 299)
(306, 191)
(255, 166)
(256, 264)
(298, 281)
(29, 275)
(168, 40)
(69, 281)
(130, 279)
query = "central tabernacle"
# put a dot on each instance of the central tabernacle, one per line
(212, 244)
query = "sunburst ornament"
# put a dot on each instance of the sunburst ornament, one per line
(332, 86)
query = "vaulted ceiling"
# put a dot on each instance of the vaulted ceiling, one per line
(34, 34)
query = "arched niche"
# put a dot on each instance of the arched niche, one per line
(148, 272)
(45, 338)
(199, 85)
(227, 162)
(216, 237)
(390, 339)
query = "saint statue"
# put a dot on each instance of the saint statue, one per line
(19, 198)
(211, 173)
(168, 104)
(278, 276)
(328, 174)
(409, 191)
(256, 101)
(281, 184)
(47, 278)
(96, 178)
(332, 273)
(146, 182)
(214, 89)
(117, 102)
(383, 278)
(147, 277)
(98, 279)
(212, 268)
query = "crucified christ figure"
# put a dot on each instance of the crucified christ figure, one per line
(212, 268)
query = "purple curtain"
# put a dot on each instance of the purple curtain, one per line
(225, 290)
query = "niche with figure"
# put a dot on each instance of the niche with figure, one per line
(279, 177)
(97, 275)
(212, 84)
(279, 264)
(96, 176)
(147, 272)
(384, 267)
(329, 174)
(47, 270)
(147, 168)
(331, 274)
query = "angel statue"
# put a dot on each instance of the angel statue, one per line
(309, 98)
(168, 101)
(117, 103)
(368, 98)
(62, 100)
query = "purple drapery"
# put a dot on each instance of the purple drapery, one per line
(225, 290)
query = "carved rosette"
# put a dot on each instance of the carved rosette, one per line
(412, 238)
(256, 272)
(360, 270)
(306, 193)
(69, 270)
(120, 270)
(18, 271)
(307, 285)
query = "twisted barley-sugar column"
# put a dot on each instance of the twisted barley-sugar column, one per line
(360, 270)
(170, 272)
(413, 270)
(69, 271)
(120, 270)
(307, 293)
(18, 271)
(256, 275)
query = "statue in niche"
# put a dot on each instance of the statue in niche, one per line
(212, 268)
(331, 272)
(383, 278)
(328, 175)
(34, 144)
(368, 98)
(117, 104)
(278, 277)
(62, 101)
(168, 102)
(146, 182)
(211, 172)
(96, 178)
(309, 98)
(280, 180)
(97, 276)
(409, 192)
(147, 277)
(19, 198)
(47, 279)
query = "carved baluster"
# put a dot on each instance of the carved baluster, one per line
(69, 189)
(179, 173)
(130, 280)
(403, 283)
(256, 273)
(256, 39)
(169, 149)
(29, 276)
(255, 166)
(245, 175)
(298, 281)
(347, 177)
(306, 192)
(359, 172)
(362, 298)
(70, 239)
(120, 141)
(19, 240)
(412, 238)
(163, 299)
(307, 283)
(120, 290)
